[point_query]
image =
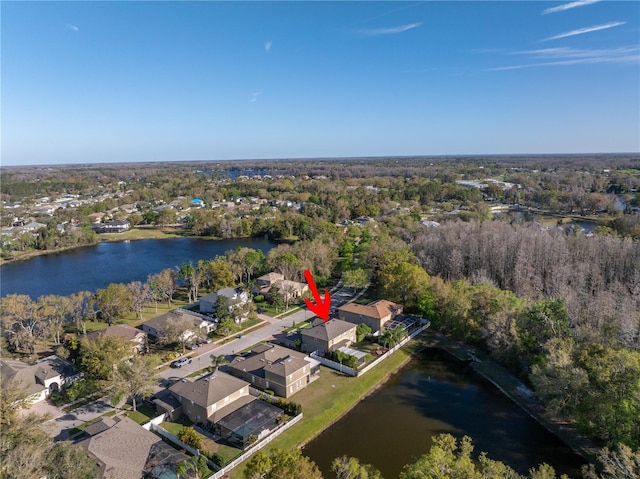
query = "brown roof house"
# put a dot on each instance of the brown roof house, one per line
(275, 281)
(125, 450)
(155, 326)
(137, 338)
(42, 378)
(222, 403)
(265, 281)
(278, 369)
(375, 315)
(327, 335)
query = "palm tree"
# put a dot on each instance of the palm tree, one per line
(218, 361)
(193, 468)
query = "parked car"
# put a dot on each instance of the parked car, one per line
(180, 362)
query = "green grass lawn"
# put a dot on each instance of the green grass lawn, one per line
(140, 234)
(130, 318)
(330, 397)
(143, 414)
(226, 453)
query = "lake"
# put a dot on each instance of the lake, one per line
(93, 267)
(435, 394)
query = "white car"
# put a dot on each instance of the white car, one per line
(180, 362)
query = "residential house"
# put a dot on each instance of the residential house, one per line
(115, 226)
(137, 338)
(290, 290)
(328, 335)
(222, 403)
(268, 280)
(33, 226)
(375, 315)
(275, 368)
(42, 378)
(125, 450)
(96, 217)
(235, 297)
(155, 326)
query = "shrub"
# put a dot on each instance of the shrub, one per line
(189, 436)
(258, 299)
(269, 392)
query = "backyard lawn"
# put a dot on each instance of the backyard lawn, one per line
(226, 453)
(330, 397)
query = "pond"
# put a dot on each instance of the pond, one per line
(435, 394)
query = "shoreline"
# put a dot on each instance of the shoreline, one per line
(513, 389)
(154, 234)
(484, 367)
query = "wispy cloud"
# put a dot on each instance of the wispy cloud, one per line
(254, 96)
(549, 57)
(71, 27)
(569, 6)
(267, 46)
(582, 31)
(391, 30)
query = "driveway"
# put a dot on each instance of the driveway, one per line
(201, 356)
(62, 422)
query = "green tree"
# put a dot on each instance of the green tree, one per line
(193, 468)
(350, 468)
(362, 331)
(449, 459)
(218, 361)
(355, 278)
(98, 356)
(134, 378)
(219, 274)
(279, 464)
(404, 282)
(189, 436)
(66, 461)
(113, 301)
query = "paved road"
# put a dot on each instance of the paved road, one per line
(201, 356)
(63, 422)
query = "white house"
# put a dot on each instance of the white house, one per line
(236, 298)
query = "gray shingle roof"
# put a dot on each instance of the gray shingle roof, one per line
(328, 330)
(209, 389)
(269, 357)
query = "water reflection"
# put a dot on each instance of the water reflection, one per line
(434, 395)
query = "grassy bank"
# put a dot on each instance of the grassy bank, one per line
(330, 397)
(135, 234)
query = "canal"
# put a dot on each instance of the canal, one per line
(92, 267)
(435, 394)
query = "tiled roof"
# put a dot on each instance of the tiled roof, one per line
(271, 277)
(378, 309)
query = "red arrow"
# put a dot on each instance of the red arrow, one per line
(321, 308)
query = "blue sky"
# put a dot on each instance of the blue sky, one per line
(159, 81)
